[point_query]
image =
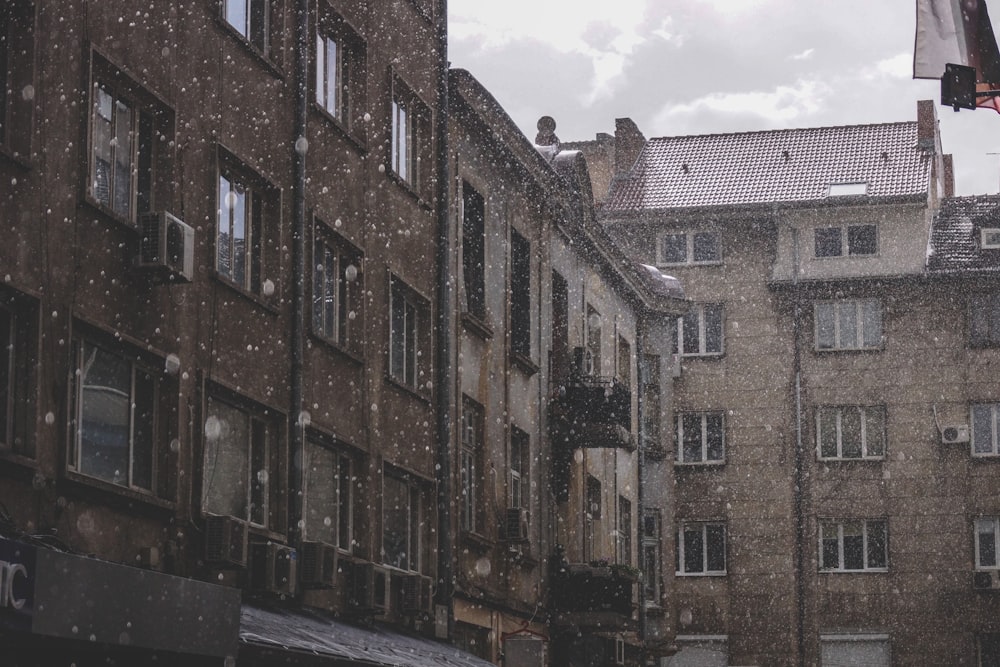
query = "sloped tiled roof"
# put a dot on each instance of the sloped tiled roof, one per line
(772, 166)
(954, 244)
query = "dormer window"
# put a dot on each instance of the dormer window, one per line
(689, 248)
(854, 240)
(990, 238)
(847, 189)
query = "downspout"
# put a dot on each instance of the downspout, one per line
(443, 380)
(641, 380)
(800, 527)
(296, 418)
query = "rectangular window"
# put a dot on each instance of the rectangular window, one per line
(701, 437)
(870, 650)
(338, 289)
(987, 543)
(114, 418)
(408, 313)
(651, 405)
(689, 248)
(18, 336)
(853, 240)
(699, 331)
(989, 238)
(851, 432)
(854, 545)
(17, 75)
(329, 498)
(986, 429)
(701, 548)
(849, 325)
(520, 294)
(594, 339)
(592, 517)
(404, 528)
(251, 19)
(651, 555)
(624, 531)
(242, 210)
(520, 468)
(474, 251)
(984, 320)
(624, 367)
(6, 21)
(471, 464)
(410, 136)
(560, 359)
(241, 463)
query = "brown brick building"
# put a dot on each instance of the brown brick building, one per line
(836, 364)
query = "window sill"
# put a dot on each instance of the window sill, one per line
(849, 350)
(477, 325)
(354, 139)
(407, 187)
(699, 575)
(269, 64)
(868, 461)
(525, 363)
(118, 495)
(340, 350)
(681, 265)
(698, 465)
(707, 356)
(884, 570)
(248, 296)
(475, 541)
(19, 464)
(15, 158)
(111, 215)
(422, 396)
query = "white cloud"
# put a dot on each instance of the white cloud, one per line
(783, 106)
(805, 55)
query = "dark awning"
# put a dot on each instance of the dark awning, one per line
(322, 635)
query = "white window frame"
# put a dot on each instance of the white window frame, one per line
(866, 440)
(862, 310)
(406, 321)
(990, 238)
(704, 429)
(987, 525)
(337, 286)
(338, 521)
(651, 554)
(847, 189)
(240, 195)
(239, 15)
(846, 249)
(473, 423)
(698, 310)
(689, 244)
(682, 546)
(416, 526)
(865, 536)
(976, 413)
(520, 468)
(331, 75)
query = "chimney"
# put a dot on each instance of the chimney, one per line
(927, 126)
(949, 175)
(628, 144)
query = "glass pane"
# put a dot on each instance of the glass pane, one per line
(227, 460)
(690, 438)
(713, 329)
(321, 501)
(332, 78)
(872, 314)
(979, 320)
(260, 480)
(103, 128)
(238, 213)
(320, 71)
(105, 406)
(982, 429)
(854, 546)
(411, 345)
(122, 178)
(258, 24)
(694, 550)
(862, 240)
(828, 242)
(847, 320)
(236, 15)
(224, 260)
(397, 335)
(330, 281)
(402, 139)
(345, 495)
(143, 437)
(986, 539)
(716, 543)
(850, 432)
(827, 418)
(713, 424)
(673, 249)
(706, 247)
(875, 431)
(825, 326)
(994, 317)
(395, 519)
(830, 547)
(877, 557)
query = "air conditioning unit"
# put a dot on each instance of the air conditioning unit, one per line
(583, 361)
(415, 595)
(986, 580)
(675, 365)
(272, 568)
(516, 525)
(369, 588)
(955, 434)
(225, 540)
(318, 565)
(167, 245)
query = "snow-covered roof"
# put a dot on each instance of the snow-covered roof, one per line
(955, 243)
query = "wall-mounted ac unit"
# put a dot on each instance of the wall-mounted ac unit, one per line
(415, 595)
(583, 361)
(318, 564)
(954, 434)
(369, 588)
(986, 580)
(225, 540)
(675, 364)
(516, 525)
(167, 245)
(272, 568)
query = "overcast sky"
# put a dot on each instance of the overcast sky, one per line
(704, 66)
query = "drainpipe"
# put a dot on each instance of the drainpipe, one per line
(641, 407)
(297, 425)
(800, 522)
(443, 379)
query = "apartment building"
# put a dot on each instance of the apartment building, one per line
(835, 411)
(562, 389)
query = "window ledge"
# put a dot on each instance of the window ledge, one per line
(340, 350)
(20, 465)
(849, 350)
(16, 158)
(699, 575)
(248, 296)
(111, 215)
(407, 187)
(269, 64)
(681, 265)
(525, 363)
(421, 396)
(356, 141)
(477, 542)
(699, 465)
(867, 461)
(121, 495)
(477, 325)
(883, 570)
(708, 356)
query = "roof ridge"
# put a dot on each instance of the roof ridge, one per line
(783, 130)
